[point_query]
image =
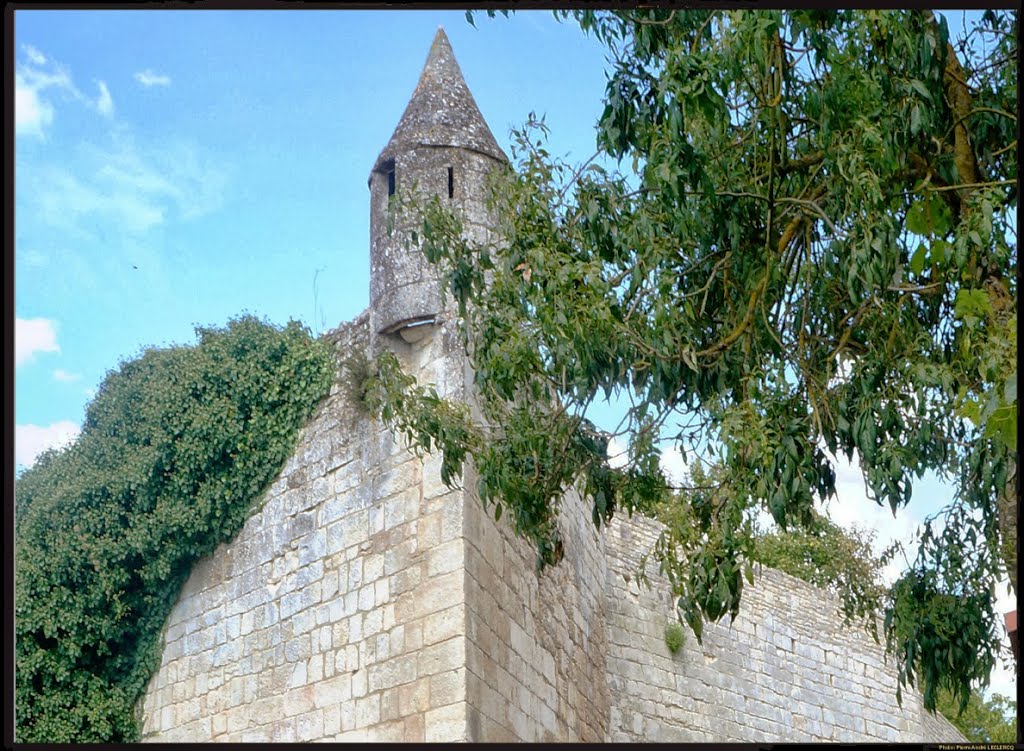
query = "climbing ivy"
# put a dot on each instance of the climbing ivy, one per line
(176, 448)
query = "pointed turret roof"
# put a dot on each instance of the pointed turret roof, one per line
(442, 111)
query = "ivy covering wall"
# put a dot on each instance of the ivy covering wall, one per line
(176, 449)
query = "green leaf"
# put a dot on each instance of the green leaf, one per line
(971, 305)
(917, 260)
(1002, 426)
(915, 119)
(920, 88)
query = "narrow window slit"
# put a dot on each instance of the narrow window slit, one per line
(451, 183)
(391, 181)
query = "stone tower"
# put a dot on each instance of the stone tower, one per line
(442, 146)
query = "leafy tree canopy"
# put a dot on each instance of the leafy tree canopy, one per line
(176, 448)
(982, 720)
(807, 249)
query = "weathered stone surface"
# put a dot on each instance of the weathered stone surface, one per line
(365, 600)
(443, 147)
(785, 670)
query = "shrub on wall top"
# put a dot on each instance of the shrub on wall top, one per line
(176, 448)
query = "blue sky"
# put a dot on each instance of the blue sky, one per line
(179, 167)
(175, 168)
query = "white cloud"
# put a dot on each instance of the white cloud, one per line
(64, 376)
(671, 460)
(852, 507)
(34, 55)
(69, 199)
(1003, 678)
(125, 187)
(90, 392)
(673, 466)
(617, 457)
(32, 440)
(32, 335)
(149, 78)
(33, 112)
(105, 102)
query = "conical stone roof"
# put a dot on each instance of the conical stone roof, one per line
(442, 111)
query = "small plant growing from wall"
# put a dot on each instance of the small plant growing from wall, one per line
(675, 637)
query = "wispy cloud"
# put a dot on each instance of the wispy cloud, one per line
(32, 440)
(105, 102)
(35, 56)
(32, 335)
(37, 78)
(127, 187)
(67, 200)
(149, 78)
(64, 376)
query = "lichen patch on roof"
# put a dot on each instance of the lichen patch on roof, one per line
(442, 111)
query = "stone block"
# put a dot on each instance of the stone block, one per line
(414, 697)
(260, 734)
(282, 730)
(447, 557)
(402, 555)
(413, 730)
(298, 675)
(355, 575)
(402, 508)
(366, 597)
(438, 593)
(447, 687)
(445, 724)
(428, 530)
(359, 682)
(309, 726)
(372, 623)
(376, 521)
(373, 567)
(332, 720)
(381, 592)
(315, 668)
(446, 655)
(298, 701)
(367, 711)
(345, 500)
(348, 531)
(394, 672)
(444, 624)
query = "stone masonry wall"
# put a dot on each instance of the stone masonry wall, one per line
(537, 643)
(336, 614)
(785, 670)
(366, 601)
